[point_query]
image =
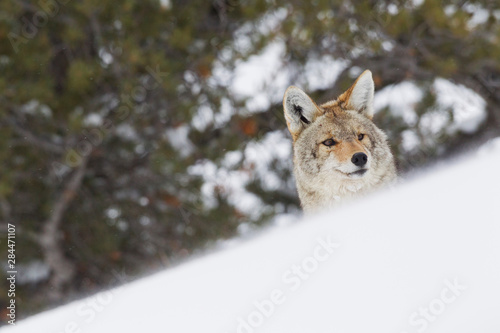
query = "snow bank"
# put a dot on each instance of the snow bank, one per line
(422, 257)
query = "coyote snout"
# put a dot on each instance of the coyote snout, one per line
(359, 159)
(338, 150)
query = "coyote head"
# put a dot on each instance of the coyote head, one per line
(338, 150)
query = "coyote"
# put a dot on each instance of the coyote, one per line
(338, 152)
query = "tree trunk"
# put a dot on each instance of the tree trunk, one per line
(50, 239)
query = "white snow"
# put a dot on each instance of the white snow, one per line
(258, 155)
(274, 146)
(127, 132)
(32, 272)
(401, 99)
(203, 117)
(322, 72)
(178, 138)
(34, 107)
(433, 122)
(272, 20)
(479, 15)
(422, 257)
(262, 78)
(469, 109)
(106, 57)
(230, 183)
(93, 120)
(417, 3)
(166, 4)
(410, 140)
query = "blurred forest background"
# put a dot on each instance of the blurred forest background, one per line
(136, 133)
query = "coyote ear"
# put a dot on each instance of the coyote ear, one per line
(300, 110)
(360, 95)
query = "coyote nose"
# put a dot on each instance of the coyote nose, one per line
(359, 159)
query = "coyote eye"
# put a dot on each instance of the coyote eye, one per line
(329, 142)
(360, 137)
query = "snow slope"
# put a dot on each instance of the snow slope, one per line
(424, 257)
